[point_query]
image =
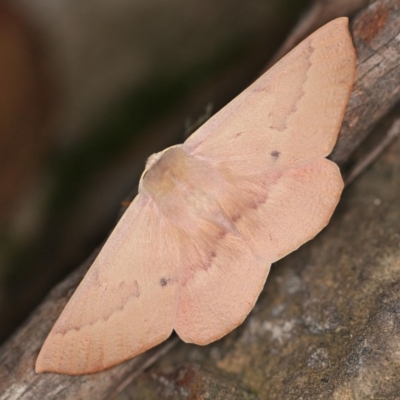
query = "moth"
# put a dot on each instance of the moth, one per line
(193, 250)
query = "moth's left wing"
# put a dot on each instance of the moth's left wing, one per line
(127, 301)
(220, 282)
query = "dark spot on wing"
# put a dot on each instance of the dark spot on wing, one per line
(275, 154)
(164, 282)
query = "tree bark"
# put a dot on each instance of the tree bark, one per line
(375, 31)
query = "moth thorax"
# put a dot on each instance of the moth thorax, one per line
(168, 173)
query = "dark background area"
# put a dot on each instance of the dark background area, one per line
(88, 90)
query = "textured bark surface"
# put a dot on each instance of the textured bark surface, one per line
(376, 33)
(327, 324)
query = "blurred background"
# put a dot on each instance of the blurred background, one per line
(88, 90)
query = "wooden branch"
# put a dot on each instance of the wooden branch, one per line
(371, 157)
(376, 91)
(376, 32)
(322, 12)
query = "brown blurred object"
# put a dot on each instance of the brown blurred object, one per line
(23, 140)
(128, 75)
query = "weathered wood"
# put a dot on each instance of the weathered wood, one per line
(376, 33)
(319, 14)
(377, 90)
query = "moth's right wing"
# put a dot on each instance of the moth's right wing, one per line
(225, 268)
(277, 190)
(291, 114)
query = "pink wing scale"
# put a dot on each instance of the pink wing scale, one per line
(112, 316)
(207, 310)
(296, 108)
(194, 249)
(297, 204)
(279, 191)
